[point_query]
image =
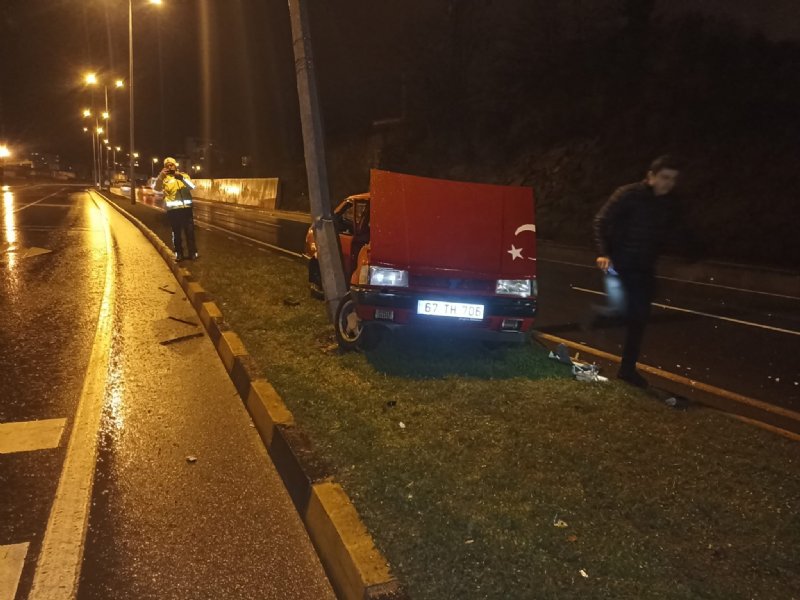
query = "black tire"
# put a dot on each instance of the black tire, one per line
(351, 332)
(315, 280)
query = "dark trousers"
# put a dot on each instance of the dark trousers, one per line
(639, 287)
(182, 222)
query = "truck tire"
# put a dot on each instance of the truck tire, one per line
(351, 332)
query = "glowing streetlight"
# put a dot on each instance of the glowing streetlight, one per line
(119, 83)
(135, 155)
(91, 78)
(87, 112)
(99, 131)
(130, 82)
(106, 115)
(86, 129)
(4, 154)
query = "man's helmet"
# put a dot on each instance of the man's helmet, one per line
(169, 160)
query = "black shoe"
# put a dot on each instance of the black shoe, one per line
(632, 378)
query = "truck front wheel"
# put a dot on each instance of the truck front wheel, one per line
(351, 332)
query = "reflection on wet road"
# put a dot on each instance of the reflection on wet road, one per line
(159, 526)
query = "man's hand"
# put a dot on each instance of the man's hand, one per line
(603, 263)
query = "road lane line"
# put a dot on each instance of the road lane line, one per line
(703, 314)
(38, 201)
(714, 285)
(255, 241)
(58, 566)
(12, 559)
(27, 436)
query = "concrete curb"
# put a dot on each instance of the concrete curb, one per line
(356, 568)
(777, 419)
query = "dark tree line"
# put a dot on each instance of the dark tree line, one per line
(572, 98)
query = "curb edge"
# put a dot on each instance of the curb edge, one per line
(356, 568)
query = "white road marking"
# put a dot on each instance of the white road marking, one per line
(12, 559)
(27, 436)
(59, 563)
(703, 314)
(258, 243)
(714, 285)
(267, 223)
(38, 201)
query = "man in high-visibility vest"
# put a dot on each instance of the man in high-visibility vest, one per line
(177, 188)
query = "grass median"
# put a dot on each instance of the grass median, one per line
(491, 474)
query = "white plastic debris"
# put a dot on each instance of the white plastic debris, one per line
(560, 524)
(402, 425)
(587, 373)
(191, 459)
(584, 574)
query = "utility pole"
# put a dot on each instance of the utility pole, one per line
(328, 249)
(130, 88)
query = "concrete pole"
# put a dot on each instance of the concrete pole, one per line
(330, 261)
(130, 90)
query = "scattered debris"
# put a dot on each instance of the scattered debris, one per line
(584, 574)
(182, 338)
(560, 524)
(192, 323)
(588, 373)
(582, 371)
(391, 403)
(469, 541)
(164, 288)
(291, 302)
(561, 354)
(572, 538)
(402, 425)
(191, 459)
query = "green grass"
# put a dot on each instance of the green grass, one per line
(498, 445)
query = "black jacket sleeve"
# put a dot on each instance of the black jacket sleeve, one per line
(607, 221)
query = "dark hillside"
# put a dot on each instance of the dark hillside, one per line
(574, 101)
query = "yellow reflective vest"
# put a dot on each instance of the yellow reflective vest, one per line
(177, 192)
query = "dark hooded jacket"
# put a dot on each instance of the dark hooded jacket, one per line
(635, 225)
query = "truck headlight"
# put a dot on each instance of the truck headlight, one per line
(514, 287)
(382, 276)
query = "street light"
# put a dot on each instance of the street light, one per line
(130, 79)
(93, 79)
(4, 154)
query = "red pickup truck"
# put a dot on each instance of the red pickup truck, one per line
(434, 254)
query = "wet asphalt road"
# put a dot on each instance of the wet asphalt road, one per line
(749, 356)
(186, 503)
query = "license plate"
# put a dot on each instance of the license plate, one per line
(456, 310)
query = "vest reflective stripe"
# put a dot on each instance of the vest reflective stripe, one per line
(178, 203)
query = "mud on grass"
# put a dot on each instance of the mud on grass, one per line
(491, 474)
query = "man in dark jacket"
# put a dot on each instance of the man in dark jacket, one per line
(630, 232)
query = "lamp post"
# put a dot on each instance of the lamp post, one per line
(152, 166)
(130, 79)
(87, 113)
(4, 154)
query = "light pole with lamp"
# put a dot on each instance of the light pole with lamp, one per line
(130, 80)
(4, 154)
(152, 166)
(87, 113)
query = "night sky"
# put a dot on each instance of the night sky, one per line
(249, 108)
